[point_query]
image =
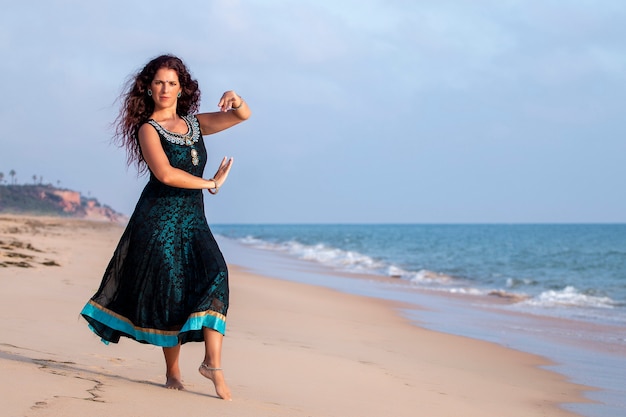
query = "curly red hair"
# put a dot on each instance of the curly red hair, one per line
(137, 105)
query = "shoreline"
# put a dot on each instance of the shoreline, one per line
(291, 349)
(587, 353)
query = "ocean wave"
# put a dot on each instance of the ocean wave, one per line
(519, 282)
(356, 262)
(344, 260)
(569, 297)
(466, 291)
(425, 276)
(347, 261)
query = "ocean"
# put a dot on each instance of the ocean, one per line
(557, 290)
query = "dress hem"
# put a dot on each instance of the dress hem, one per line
(102, 320)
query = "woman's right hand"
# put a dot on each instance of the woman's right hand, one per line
(222, 172)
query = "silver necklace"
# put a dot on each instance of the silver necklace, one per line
(189, 139)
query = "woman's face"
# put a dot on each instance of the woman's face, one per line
(165, 88)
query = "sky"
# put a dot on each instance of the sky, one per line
(368, 111)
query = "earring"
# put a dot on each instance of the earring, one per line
(150, 92)
(179, 94)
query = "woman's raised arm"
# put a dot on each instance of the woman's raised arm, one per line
(233, 110)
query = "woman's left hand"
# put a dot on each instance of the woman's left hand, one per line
(229, 100)
(222, 172)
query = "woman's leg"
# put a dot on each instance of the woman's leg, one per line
(211, 367)
(172, 372)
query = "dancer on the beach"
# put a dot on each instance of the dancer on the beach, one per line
(167, 282)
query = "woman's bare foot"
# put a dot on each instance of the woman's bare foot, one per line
(174, 383)
(216, 375)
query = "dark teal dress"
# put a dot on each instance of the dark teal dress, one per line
(167, 278)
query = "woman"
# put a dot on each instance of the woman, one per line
(167, 282)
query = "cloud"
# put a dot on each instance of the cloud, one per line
(356, 103)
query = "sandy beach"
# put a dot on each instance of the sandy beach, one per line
(291, 349)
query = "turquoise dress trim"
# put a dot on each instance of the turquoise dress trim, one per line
(101, 315)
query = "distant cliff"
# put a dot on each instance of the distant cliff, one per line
(48, 200)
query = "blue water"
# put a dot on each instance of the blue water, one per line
(575, 274)
(577, 270)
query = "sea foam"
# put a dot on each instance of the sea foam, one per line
(569, 297)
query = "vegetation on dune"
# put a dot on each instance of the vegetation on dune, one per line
(45, 199)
